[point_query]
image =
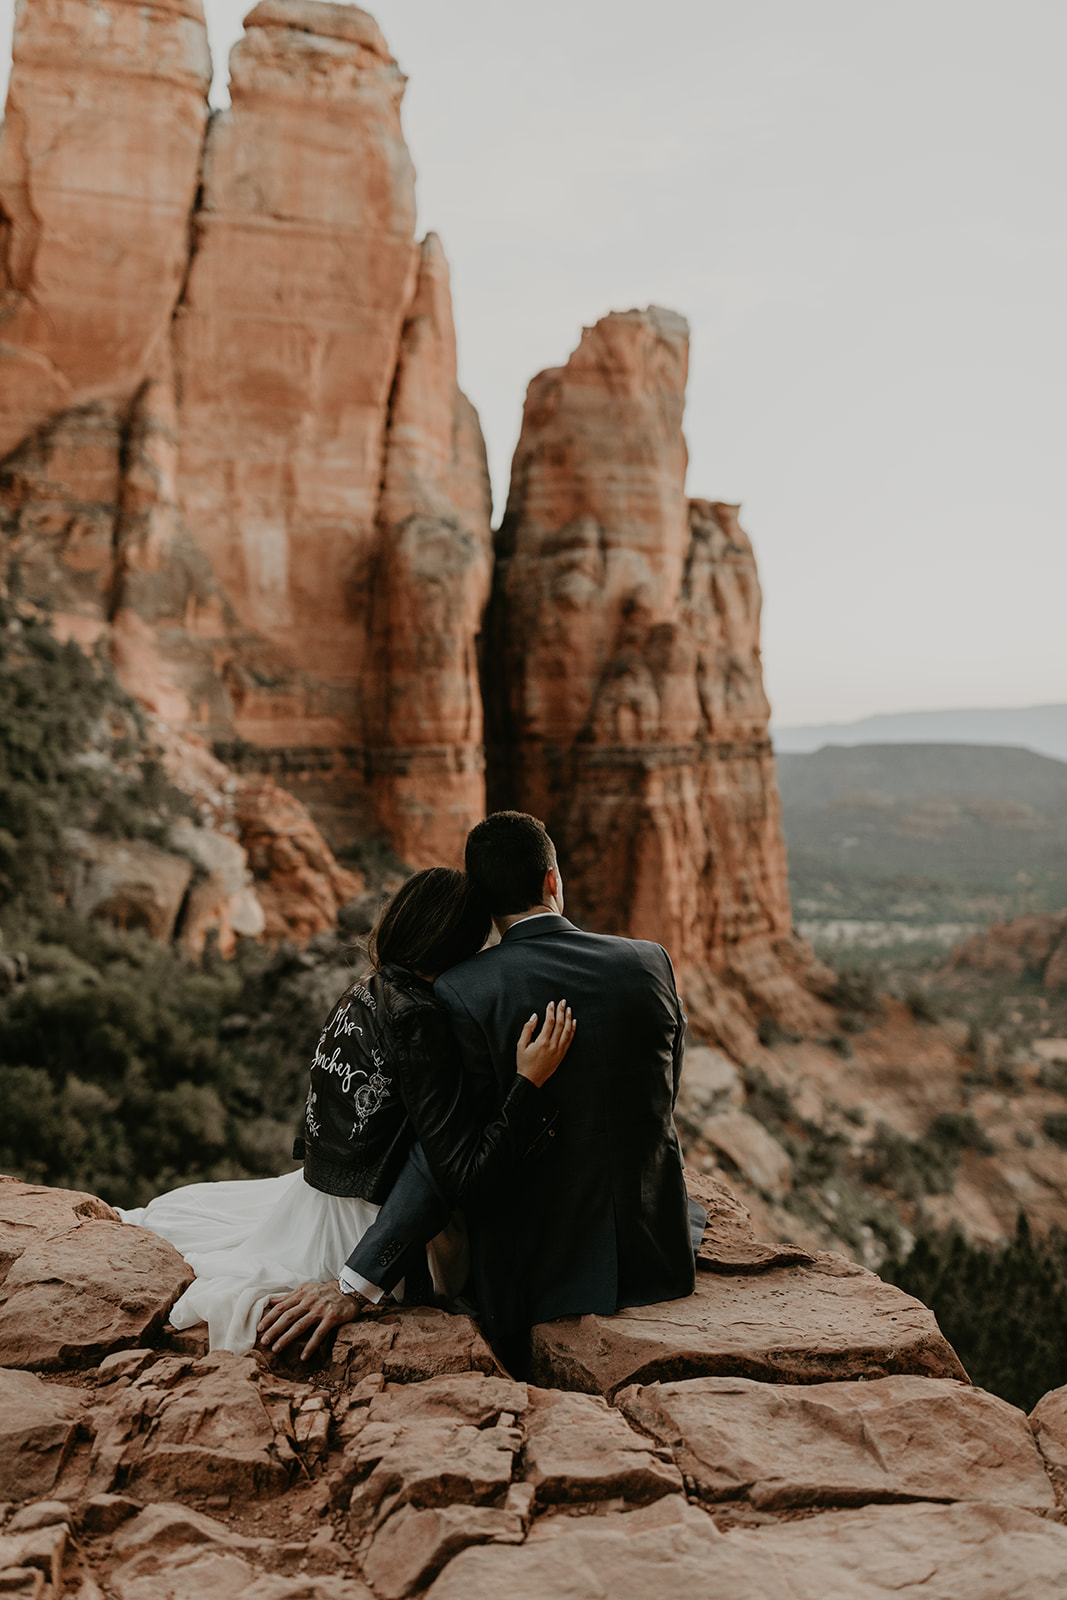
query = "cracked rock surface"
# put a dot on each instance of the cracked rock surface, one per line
(408, 1463)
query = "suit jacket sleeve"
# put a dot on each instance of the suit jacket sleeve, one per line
(468, 1158)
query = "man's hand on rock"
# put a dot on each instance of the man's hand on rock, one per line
(313, 1308)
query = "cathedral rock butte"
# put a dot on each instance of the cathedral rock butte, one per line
(234, 455)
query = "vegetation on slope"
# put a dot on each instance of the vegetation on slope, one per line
(124, 1068)
(1002, 1308)
(74, 753)
(128, 1071)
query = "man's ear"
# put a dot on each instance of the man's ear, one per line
(551, 883)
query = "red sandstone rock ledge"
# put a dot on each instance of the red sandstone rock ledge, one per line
(134, 1465)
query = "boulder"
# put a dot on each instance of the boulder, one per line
(127, 882)
(72, 1298)
(168, 1526)
(40, 1514)
(189, 1429)
(710, 1085)
(1048, 1421)
(578, 1449)
(103, 1513)
(410, 1344)
(915, 1552)
(299, 885)
(37, 1426)
(426, 1463)
(780, 1446)
(755, 1153)
(412, 1546)
(42, 1549)
(729, 1243)
(124, 1364)
(210, 1434)
(30, 1211)
(785, 1325)
(473, 1397)
(173, 1552)
(222, 900)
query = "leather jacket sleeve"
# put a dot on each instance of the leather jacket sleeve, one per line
(679, 1034)
(468, 1157)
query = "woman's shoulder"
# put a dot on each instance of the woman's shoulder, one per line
(364, 992)
(404, 994)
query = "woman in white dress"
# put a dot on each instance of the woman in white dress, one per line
(386, 1071)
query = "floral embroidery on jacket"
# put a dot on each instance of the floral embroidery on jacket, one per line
(367, 1098)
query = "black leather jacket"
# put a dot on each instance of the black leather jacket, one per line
(386, 1071)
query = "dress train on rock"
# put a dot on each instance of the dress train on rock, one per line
(258, 1237)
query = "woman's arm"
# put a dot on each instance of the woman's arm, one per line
(468, 1156)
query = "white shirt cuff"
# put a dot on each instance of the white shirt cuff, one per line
(352, 1282)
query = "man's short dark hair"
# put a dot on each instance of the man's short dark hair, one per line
(508, 856)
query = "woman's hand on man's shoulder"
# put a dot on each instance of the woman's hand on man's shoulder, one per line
(537, 1058)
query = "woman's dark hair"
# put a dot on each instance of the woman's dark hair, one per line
(437, 918)
(508, 856)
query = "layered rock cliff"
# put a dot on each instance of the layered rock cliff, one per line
(625, 693)
(246, 469)
(99, 168)
(237, 460)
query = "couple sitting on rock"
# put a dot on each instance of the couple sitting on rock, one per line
(437, 1158)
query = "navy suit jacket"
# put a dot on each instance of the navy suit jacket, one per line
(597, 1215)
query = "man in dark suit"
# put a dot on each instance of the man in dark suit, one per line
(596, 1216)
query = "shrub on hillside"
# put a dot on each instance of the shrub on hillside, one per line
(1002, 1308)
(123, 1073)
(73, 753)
(1054, 1127)
(913, 1168)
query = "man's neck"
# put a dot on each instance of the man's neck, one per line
(504, 923)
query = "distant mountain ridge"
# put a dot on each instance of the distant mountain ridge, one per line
(1039, 728)
(859, 776)
(972, 831)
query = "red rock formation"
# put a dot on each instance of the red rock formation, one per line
(1035, 944)
(432, 588)
(627, 705)
(298, 883)
(286, 348)
(252, 476)
(98, 172)
(267, 496)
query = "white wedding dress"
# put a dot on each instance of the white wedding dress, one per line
(249, 1240)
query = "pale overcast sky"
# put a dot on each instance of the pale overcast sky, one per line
(860, 207)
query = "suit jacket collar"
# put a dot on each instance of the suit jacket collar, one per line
(534, 927)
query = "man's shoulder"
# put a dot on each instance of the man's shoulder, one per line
(489, 968)
(638, 952)
(470, 976)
